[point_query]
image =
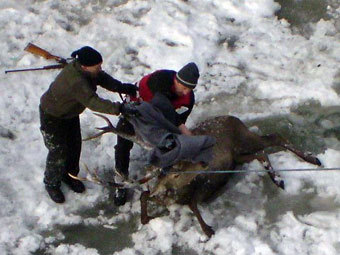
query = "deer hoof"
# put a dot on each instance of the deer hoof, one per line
(313, 160)
(209, 231)
(317, 162)
(281, 185)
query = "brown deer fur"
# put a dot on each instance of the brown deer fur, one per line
(235, 145)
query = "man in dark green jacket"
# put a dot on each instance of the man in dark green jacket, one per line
(74, 90)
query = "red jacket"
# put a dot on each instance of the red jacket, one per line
(163, 81)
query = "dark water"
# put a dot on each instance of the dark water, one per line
(309, 126)
(301, 13)
(300, 204)
(105, 240)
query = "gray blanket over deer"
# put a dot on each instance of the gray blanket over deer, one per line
(170, 146)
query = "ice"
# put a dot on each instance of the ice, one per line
(252, 66)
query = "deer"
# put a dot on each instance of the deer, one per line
(190, 183)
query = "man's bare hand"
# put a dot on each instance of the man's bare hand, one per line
(184, 130)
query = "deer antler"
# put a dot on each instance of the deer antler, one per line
(108, 128)
(111, 128)
(95, 179)
(127, 183)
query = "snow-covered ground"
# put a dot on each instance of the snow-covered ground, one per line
(252, 65)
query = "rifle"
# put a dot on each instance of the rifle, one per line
(32, 48)
(36, 69)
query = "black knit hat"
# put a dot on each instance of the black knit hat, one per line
(188, 75)
(87, 56)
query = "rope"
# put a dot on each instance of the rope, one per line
(255, 171)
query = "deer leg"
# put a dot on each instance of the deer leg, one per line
(208, 230)
(144, 207)
(307, 156)
(274, 176)
(263, 158)
(277, 140)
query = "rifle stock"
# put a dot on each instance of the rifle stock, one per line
(34, 49)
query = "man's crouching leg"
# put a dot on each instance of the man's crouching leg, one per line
(122, 158)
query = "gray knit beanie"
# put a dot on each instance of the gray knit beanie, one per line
(188, 75)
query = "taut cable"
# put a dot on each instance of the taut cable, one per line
(256, 171)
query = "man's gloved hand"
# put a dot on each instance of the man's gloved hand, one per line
(129, 109)
(130, 89)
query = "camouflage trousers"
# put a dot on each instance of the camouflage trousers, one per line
(62, 138)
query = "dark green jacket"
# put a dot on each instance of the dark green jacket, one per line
(73, 90)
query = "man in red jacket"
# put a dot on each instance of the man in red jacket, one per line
(178, 88)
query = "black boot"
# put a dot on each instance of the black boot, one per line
(120, 197)
(75, 185)
(120, 194)
(55, 194)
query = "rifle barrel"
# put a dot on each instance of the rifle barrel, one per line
(36, 69)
